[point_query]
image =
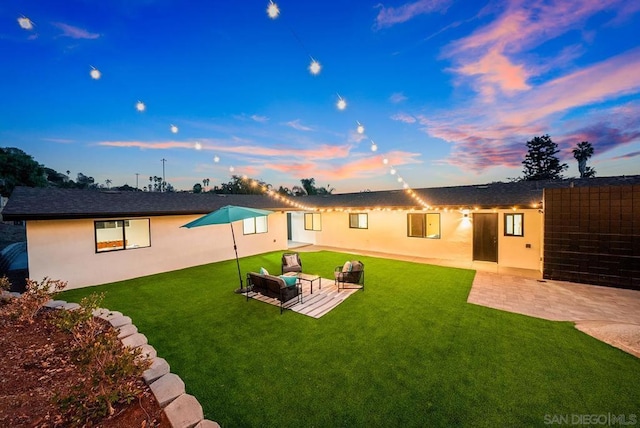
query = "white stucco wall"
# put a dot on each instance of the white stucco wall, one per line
(65, 249)
(387, 232)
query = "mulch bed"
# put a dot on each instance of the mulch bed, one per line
(35, 367)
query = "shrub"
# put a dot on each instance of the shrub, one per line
(33, 299)
(112, 372)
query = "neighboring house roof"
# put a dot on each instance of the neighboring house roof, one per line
(52, 203)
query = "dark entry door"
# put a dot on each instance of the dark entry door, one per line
(485, 237)
(289, 233)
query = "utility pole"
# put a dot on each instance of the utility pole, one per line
(137, 174)
(163, 180)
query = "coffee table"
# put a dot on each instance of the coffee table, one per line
(310, 278)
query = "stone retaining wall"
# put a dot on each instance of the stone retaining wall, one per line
(182, 410)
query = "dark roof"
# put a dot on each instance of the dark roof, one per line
(491, 195)
(51, 203)
(28, 203)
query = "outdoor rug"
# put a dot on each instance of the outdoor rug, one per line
(314, 305)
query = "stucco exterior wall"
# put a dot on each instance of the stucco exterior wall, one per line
(65, 249)
(387, 232)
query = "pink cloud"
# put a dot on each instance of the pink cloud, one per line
(404, 117)
(75, 32)
(492, 57)
(296, 124)
(389, 16)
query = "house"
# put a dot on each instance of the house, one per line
(94, 237)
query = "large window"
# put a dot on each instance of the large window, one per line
(514, 224)
(115, 235)
(358, 221)
(255, 225)
(312, 221)
(423, 225)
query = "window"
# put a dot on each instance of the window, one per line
(255, 225)
(312, 221)
(115, 235)
(359, 221)
(514, 225)
(423, 225)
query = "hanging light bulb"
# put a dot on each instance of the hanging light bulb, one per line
(216, 159)
(95, 73)
(174, 129)
(198, 146)
(25, 23)
(341, 104)
(140, 106)
(272, 10)
(385, 161)
(360, 128)
(231, 169)
(374, 146)
(393, 171)
(314, 67)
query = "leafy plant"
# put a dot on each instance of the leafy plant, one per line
(112, 372)
(33, 299)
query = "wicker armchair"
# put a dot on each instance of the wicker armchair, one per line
(350, 275)
(291, 263)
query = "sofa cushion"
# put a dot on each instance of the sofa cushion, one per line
(290, 280)
(291, 260)
(347, 266)
(263, 271)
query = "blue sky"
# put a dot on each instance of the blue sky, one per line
(449, 92)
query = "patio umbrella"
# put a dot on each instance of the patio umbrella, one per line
(228, 214)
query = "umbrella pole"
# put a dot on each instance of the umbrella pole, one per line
(235, 248)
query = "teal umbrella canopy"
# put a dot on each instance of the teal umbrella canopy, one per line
(227, 215)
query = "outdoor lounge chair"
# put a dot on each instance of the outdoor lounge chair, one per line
(291, 263)
(273, 286)
(350, 275)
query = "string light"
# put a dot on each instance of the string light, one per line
(314, 67)
(360, 128)
(174, 129)
(95, 73)
(25, 23)
(140, 106)
(272, 10)
(341, 104)
(216, 159)
(374, 146)
(197, 146)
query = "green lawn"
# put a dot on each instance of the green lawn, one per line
(409, 351)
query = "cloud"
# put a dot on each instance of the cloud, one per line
(75, 32)
(495, 58)
(404, 117)
(397, 97)
(295, 124)
(389, 16)
(259, 118)
(627, 156)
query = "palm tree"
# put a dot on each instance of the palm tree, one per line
(582, 153)
(107, 182)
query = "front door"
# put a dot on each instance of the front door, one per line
(485, 237)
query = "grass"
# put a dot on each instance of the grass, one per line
(409, 351)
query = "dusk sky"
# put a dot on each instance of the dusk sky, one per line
(449, 92)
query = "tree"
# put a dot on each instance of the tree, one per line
(108, 182)
(582, 153)
(197, 188)
(19, 169)
(541, 162)
(242, 186)
(85, 182)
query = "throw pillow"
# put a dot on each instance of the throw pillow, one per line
(263, 271)
(291, 260)
(289, 280)
(347, 267)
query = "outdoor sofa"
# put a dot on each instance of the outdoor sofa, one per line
(273, 286)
